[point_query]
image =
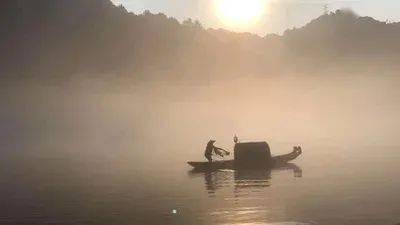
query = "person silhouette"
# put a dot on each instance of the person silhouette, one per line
(210, 148)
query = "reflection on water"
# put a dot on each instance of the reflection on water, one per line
(245, 191)
(240, 179)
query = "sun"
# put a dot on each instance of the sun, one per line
(240, 14)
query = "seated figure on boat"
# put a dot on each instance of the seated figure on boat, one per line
(210, 148)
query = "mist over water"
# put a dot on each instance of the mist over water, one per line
(288, 109)
(95, 152)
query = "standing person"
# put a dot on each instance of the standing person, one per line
(210, 148)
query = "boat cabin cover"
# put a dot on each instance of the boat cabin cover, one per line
(252, 154)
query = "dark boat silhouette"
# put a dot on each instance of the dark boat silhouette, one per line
(249, 155)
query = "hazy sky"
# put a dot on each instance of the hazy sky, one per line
(278, 16)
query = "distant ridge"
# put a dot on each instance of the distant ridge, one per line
(57, 38)
(343, 32)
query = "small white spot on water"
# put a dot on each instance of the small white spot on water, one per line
(174, 211)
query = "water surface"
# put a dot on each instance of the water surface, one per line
(101, 156)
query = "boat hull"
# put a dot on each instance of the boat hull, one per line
(276, 161)
(216, 165)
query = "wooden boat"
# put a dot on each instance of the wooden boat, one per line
(274, 162)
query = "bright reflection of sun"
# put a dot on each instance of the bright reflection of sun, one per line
(240, 13)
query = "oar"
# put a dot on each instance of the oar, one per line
(226, 151)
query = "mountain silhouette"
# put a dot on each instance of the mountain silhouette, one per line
(57, 38)
(343, 32)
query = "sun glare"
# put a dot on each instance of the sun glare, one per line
(240, 13)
